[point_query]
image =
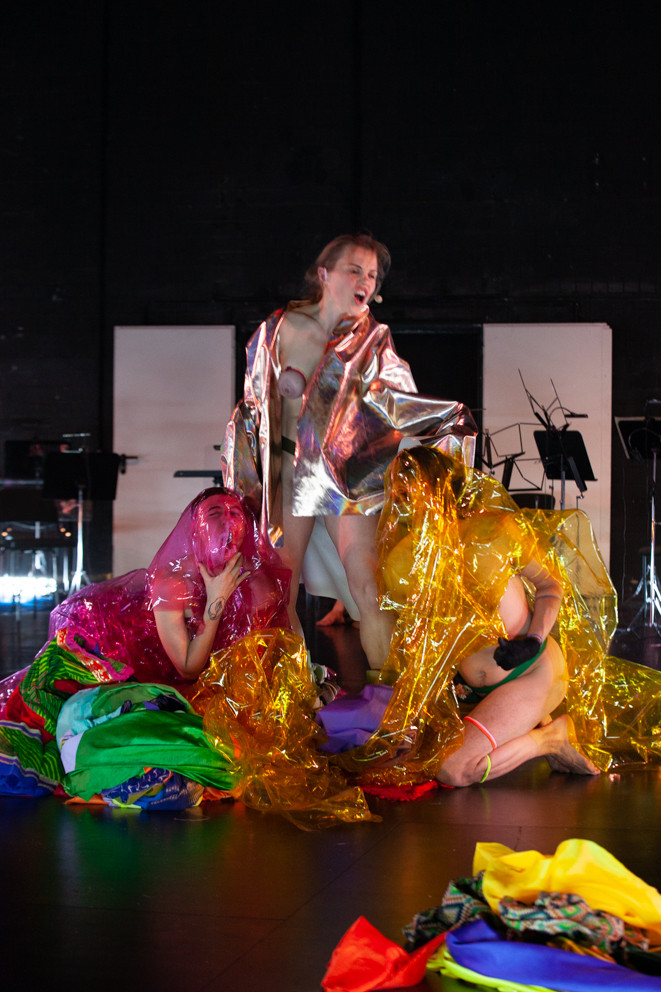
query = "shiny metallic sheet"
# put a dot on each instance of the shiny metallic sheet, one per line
(357, 407)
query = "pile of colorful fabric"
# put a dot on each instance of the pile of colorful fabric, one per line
(77, 723)
(572, 921)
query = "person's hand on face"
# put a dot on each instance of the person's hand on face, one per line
(220, 587)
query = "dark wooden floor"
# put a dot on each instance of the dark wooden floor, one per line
(222, 898)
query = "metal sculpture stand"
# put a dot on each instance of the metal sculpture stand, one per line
(561, 451)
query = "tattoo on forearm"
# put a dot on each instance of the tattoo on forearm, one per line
(216, 608)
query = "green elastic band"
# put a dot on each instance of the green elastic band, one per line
(288, 445)
(486, 774)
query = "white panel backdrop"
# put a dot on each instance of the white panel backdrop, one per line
(173, 396)
(174, 393)
(576, 359)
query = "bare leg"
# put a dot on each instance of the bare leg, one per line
(516, 715)
(354, 536)
(296, 536)
(334, 616)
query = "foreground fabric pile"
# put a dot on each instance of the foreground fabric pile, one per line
(572, 921)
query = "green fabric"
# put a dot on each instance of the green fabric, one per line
(484, 690)
(102, 702)
(33, 754)
(112, 752)
(110, 697)
(56, 664)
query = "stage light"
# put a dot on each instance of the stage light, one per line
(25, 589)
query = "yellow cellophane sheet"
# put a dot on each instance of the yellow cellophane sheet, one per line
(449, 540)
(258, 695)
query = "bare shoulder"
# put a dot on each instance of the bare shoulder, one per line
(293, 323)
(302, 341)
(299, 320)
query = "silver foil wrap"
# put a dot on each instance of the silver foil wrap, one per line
(359, 408)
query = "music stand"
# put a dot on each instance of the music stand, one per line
(80, 475)
(215, 474)
(641, 439)
(563, 452)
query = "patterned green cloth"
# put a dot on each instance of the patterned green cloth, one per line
(64, 666)
(29, 757)
(562, 914)
(463, 901)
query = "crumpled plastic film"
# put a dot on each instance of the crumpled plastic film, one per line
(615, 705)
(258, 695)
(357, 406)
(428, 575)
(217, 524)
(117, 616)
(449, 540)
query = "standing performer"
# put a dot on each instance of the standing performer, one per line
(326, 403)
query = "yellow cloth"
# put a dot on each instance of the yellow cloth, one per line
(578, 866)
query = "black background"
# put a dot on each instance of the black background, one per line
(182, 162)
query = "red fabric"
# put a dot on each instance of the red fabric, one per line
(69, 686)
(401, 793)
(18, 711)
(365, 960)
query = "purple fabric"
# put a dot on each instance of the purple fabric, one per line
(477, 947)
(349, 720)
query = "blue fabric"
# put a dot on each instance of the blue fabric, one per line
(158, 788)
(18, 781)
(478, 947)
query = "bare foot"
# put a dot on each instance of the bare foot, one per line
(560, 754)
(332, 618)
